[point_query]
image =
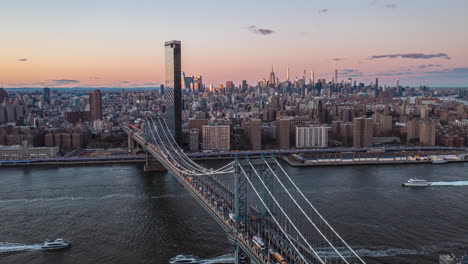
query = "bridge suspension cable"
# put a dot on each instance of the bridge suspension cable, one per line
(273, 216)
(228, 168)
(186, 159)
(285, 214)
(318, 213)
(172, 161)
(290, 224)
(304, 213)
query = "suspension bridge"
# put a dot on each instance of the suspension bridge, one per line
(264, 213)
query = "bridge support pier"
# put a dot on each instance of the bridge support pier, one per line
(132, 144)
(152, 165)
(240, 257)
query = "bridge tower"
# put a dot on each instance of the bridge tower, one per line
(240, 208)
(131, 143)
(151, 163)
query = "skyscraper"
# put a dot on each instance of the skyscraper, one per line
(312, 78)
(229, 84)
(95, 105)
(173, 89)
(244, 85)
(3, 95)
(46, 95)
(336, 76)
(272, 80)
(287, 74)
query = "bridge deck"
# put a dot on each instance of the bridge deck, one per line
(198, 191)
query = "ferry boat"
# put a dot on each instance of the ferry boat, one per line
(416, 183)
(185, 259)
(452, 259)
(58, 243)
(439, 161)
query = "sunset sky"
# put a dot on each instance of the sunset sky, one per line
(120, 43)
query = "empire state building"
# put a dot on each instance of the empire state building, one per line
(272, 79)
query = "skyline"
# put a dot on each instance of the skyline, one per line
(87, 44)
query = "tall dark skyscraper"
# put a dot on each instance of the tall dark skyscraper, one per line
(95, 105)
(173, 89)
(3, 95)
(46, 95)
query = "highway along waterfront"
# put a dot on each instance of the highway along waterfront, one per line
(120, 214)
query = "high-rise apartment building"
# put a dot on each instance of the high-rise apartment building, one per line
(384, 124)
(427, 132)
(412, 133)
(216, 138)
(363, 129)
(173, 88)
(346, 133)
(255, 133)
(336, 129)
(311, 137)
(194, 134)
(95, 105)
(198, 123)
(284, 133)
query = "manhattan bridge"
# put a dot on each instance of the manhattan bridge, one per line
(264, 213)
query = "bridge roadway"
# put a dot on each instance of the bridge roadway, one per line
(199, 190)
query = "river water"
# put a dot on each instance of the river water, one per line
(119, 214)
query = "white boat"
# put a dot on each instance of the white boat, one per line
(185, 259)
(416, 183)
(58, 243)
(439, 161)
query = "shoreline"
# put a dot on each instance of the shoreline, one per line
(292, 163)
(68, 163)
(363, 162)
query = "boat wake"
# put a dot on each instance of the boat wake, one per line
(228, 258)
(109, 196)
(15, 247)
(453, 183)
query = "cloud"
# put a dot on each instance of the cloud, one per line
(394, 73)
(125, 82)
(451, 72)
(152, 83)
(261, 31)
(412, 56)
(22, 59)
(429, 66)
(391, 6)
(338, 59)
(350, 73)
(323, 11)
(64, 81)
(401, 71)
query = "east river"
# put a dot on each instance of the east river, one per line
(119, 214)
